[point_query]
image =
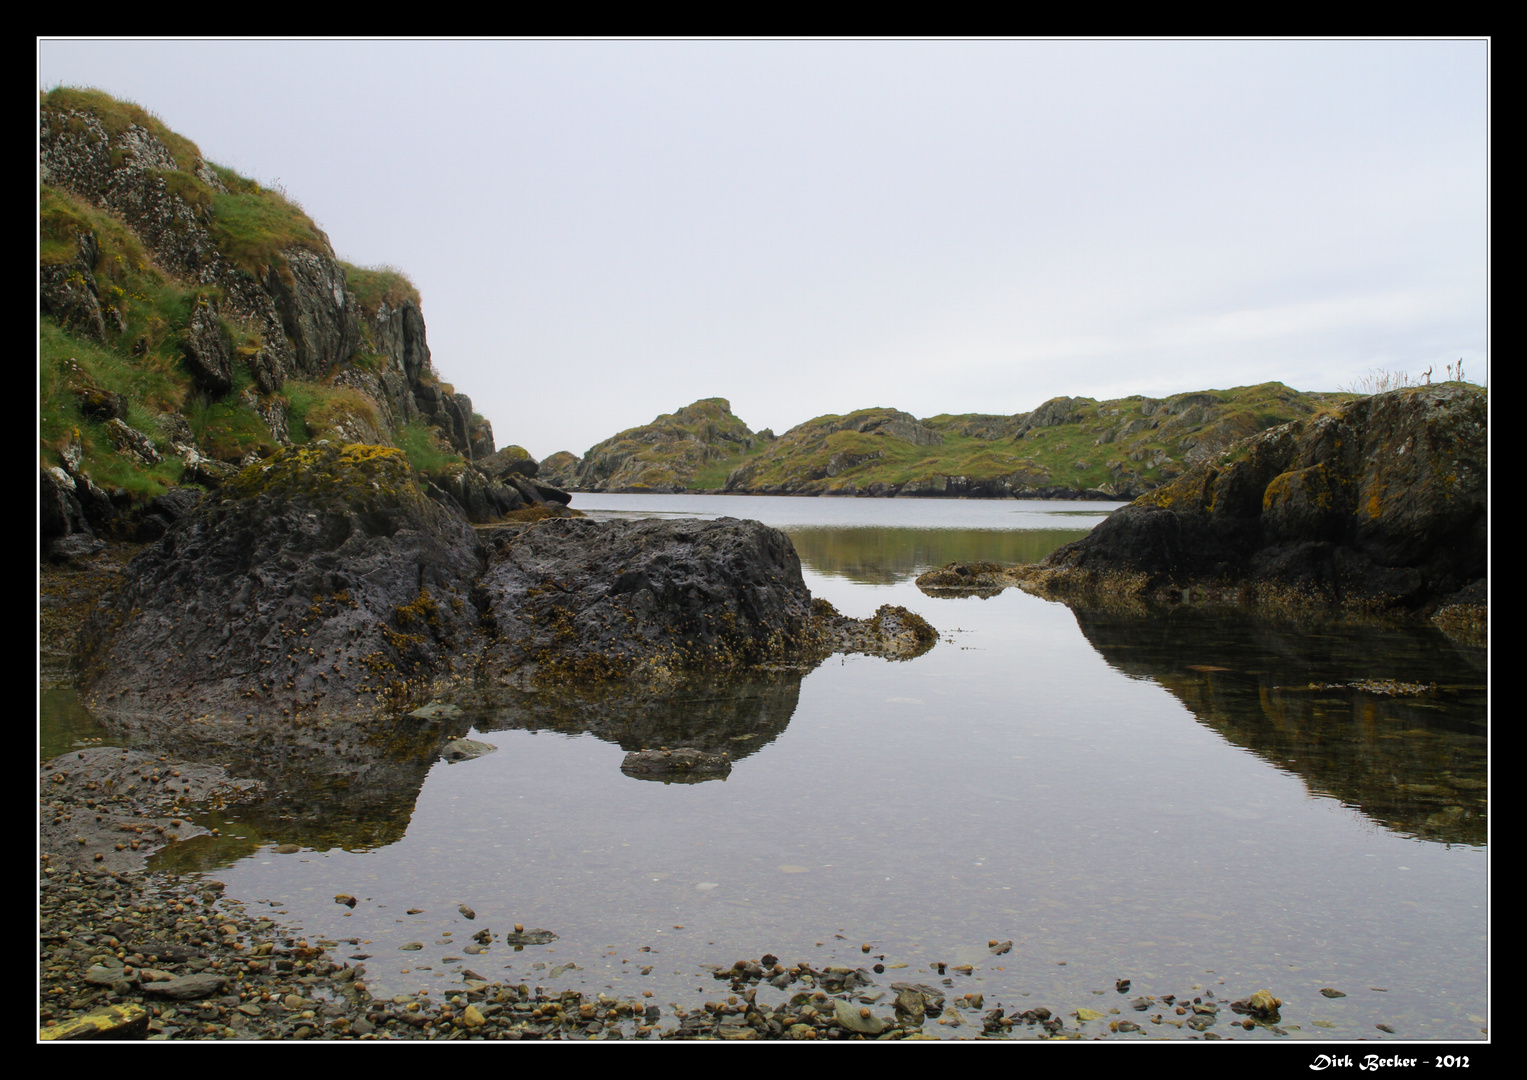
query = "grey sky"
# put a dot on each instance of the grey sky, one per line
(603, 231)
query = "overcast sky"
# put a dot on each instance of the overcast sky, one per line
(607, 230)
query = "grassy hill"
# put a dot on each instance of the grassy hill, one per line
(1066, 448)
(193, 320)
(691, 449)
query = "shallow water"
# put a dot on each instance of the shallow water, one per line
(1165, 800)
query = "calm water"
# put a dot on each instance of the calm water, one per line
(1185, 802)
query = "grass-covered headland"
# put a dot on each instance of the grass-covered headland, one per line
(1065, 448)
(194, 321)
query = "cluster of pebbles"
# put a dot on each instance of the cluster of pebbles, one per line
(162, 957)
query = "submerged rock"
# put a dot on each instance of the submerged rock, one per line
(465, 749)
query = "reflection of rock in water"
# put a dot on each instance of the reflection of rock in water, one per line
(350, 784)
(885, 555)
(1416, 762)
(736, 715)
(683, 765)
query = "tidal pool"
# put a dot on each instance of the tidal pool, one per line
(1197, 804)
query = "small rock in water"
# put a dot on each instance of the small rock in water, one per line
(1328, 992)
(468, 912)
(529, 937)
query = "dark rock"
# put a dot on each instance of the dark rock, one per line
(131, 442)
(207, 351)
(511, 459)
(320, 563)
(892, 632)
(186, 987)
(75, 546)
(321, 319)
(59, 509)
(577, 598)
(537, 492)
(99, 404)
(529, 937)
(68, 291)
(1380, 502)
(473, 495)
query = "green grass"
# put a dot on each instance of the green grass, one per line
(117, 116)
(427, 451)
(151, 384)
(374, 286)
(147, 312)
(1072, 455)
(252, 225)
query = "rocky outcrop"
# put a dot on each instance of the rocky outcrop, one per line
(323, 579)
(576, 599)
(560, 469)
(1382, 502)
(68, 291)
(892, 633)
(320, 579)
(816, 457)
(665, 455)
(215, 274)
(1067, 448)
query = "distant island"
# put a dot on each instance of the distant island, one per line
(1067, 448)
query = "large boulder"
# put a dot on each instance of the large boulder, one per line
(319, 578)
(1382, 502)
(576, 599)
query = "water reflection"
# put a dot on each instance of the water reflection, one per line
(885, 556)
(63, 724)
(737, 715)
(1413, 762)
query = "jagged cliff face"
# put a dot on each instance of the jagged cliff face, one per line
(195, 315)
(295, 296)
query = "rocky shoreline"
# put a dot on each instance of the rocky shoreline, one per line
(160, 957)
(130, 955)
